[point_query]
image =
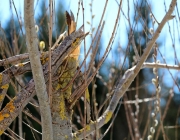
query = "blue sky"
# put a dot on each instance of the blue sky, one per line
(158, 10)
(110, 16)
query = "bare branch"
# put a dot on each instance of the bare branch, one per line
(126, 80)
(14, 59)
(160, 65)
(34, 56)
(16, 105)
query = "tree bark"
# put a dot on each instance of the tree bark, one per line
(34, 56)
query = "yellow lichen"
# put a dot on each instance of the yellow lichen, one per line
(62, 107)
(75, 136)
(92, 122)
(5, 86)
(65, 72)
(46, 59)
(66, 137)
(2, 97)
(6, 115)
(68, 93)
(87, 95)
(1, 132)
(64, 84)
(81, 130)
(0, 78)
(108, 116)
(1, 116)
(20, 64)
(10, 106)
(43, 58)
(87, 127)
(58, 87)
(76, 42)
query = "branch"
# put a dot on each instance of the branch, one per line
(160, 65)
(16, 105)
(126, 81)
(34, 56)
(9, 73)
(14, 59)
